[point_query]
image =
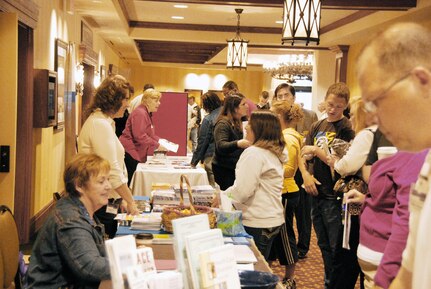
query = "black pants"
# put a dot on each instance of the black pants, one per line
(346, 267)
(224, 177)
(303, 217)
(107, 220)
(284, 246)
(131, 165)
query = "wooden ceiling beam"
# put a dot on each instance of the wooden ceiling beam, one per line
(326, 4)
(203, 27)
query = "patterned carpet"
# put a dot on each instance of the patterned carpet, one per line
(309, 271)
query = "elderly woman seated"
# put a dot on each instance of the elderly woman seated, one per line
(69, 250)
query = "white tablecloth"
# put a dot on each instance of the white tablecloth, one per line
(147, 174)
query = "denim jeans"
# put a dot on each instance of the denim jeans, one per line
(194, 137)
(303, 217)
(263, 237)
(326, 216)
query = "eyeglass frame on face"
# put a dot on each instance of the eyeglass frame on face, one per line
(370, 105)
(284, 96)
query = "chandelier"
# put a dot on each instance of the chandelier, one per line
(301, 21)
(291, 67)
(237, 48)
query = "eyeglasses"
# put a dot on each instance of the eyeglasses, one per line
(284, 96)
(370, 106)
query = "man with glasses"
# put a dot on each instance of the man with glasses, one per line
(287, 92)
(394, 72)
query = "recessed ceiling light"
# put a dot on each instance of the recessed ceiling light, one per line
(181, 6)
(279, 21)
(177, 17)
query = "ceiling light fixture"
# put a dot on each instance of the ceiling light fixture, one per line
(237, 48)
(177, 17)
(301, 21)
(291, 67)
(181, 6)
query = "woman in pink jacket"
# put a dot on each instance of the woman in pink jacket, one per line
(139, 138)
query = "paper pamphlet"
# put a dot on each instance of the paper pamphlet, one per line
(166, 280)
(137, 280)
(121, 252)
(183, 227)
(197, 243)
(243, 254)
(126, 260)
(225, 202)
(170, 146)
(346, 228)
(151, 280)
(218, 268)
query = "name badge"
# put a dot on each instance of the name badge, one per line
(112, 207)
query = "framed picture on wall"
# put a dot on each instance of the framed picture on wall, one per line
(60, 64)
(102, 72)
(197, 93)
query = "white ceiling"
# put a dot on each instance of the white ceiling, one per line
(111, 20)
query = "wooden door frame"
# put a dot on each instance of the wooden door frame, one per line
(24, 133)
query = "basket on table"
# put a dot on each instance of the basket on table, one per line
(180, 211)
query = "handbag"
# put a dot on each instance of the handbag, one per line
(347, 183)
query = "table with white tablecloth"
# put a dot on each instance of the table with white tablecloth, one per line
(156, 172)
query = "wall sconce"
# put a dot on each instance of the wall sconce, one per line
(79, 78)
(96, 79)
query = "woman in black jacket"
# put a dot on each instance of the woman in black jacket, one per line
(228, 138)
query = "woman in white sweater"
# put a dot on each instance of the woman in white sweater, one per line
(97, 136)
(259, 180)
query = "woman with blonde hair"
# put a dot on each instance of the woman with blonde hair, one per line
(259, 178)
(285, 247)
(97, 136)
(357, 154)
(139, 138)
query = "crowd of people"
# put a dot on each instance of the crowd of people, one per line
(276, 160)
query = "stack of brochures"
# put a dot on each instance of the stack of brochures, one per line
(150, 221)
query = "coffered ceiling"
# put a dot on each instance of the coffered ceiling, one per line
(144, 31)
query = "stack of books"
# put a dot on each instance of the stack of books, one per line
(202, 194)
(150, 221)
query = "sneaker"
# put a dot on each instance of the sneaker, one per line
(289, 283)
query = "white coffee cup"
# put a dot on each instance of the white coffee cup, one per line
(384, 152)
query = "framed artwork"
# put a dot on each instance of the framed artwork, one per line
(197, 93)
(60, 66)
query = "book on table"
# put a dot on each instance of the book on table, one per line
(197, 243)
(183, 227)
(218, 268)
